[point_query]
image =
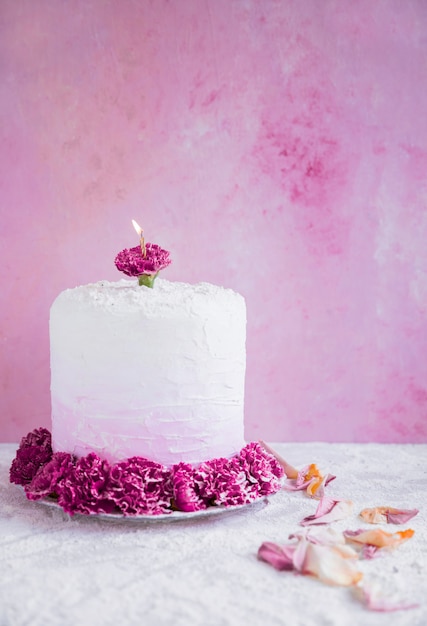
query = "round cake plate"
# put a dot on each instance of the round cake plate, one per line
(174, 516)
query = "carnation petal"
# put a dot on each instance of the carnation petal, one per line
(309, 478)
(378, 537)
(316, 489)
(376, 598)
(280, 557)
(331, 565)
(400, 516)
(329, 510)
(387, 515)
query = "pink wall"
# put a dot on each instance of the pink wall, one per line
(276, 147)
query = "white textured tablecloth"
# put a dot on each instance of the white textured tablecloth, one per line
(59, 571)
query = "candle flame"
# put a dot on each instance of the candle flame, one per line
(137, 227)
(139, 230)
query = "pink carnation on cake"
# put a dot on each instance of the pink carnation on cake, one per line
(132, 263)
(144, 261)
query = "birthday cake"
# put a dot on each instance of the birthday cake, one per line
(157, 373)
(147, 389)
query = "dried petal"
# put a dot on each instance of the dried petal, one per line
(331, 565)
(318, 553)
(376, 599)
(400, 516)
(378, 537)
(316, 489)
(280, 557)
(324, 535)
(370, 552)
(300, 554)
(387, 515)
(310, 479)
(329, 510)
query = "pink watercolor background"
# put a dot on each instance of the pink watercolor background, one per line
(278, 148)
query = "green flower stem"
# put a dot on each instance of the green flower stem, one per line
(147, 280)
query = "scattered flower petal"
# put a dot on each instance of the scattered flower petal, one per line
(370, 552)
(378, 538)
(280, 557)
(331, 565)
(329, 510)
(375, 599)
(387, 515)
(310, 479)
(325, 535)
(316, 488)
(396, 516)
(326, 557)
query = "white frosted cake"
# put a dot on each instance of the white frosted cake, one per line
(157, 373)
(147, 390)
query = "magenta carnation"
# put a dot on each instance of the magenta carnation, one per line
(47, 480)
(139, 486)
(37, 437)
(251, 474)
(85, 488)
(132, 263)
(262, 469)
(34, 451)
(187, 487)
(226, 483)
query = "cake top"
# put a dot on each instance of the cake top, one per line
(126, 295)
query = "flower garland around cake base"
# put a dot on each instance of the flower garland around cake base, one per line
(138, 486)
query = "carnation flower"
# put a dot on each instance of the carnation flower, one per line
(262, 469)
(132, 263)
(186, 488)
(85, 488)
(34, 451)
(139, 486)
(46, 481)
(251, 474)
(37, 437)
(226, 483)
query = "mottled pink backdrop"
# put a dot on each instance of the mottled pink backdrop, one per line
(276, 147)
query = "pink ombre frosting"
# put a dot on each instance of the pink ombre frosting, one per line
(157, 373)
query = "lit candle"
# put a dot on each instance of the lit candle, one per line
(139, 230)
(144, 261)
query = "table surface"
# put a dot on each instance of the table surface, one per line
(60, 570)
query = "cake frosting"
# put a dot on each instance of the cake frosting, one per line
(156, 373)
(147, 390)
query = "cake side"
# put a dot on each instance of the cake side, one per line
(157, 373)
